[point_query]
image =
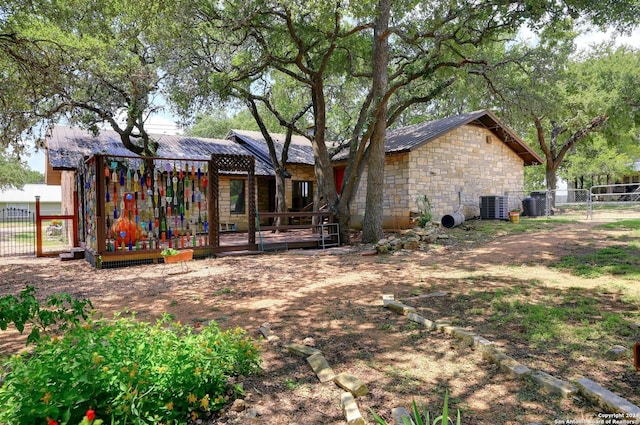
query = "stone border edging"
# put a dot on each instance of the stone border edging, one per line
(353, 386)
(593, 392)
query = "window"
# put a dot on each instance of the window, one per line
(302, 194)
(237, 196)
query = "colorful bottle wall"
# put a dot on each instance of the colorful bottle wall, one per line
(148, 204)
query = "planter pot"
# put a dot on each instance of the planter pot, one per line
(184, 255)
(514, 217)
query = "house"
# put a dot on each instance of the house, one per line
(453, 161)
(21, 201)
(68, 147)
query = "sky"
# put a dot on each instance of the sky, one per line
(165, 123)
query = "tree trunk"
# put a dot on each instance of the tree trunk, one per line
(281, 201)
(323, 167)
(372, 226)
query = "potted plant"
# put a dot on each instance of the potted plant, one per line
(514, 215)
(171, 255)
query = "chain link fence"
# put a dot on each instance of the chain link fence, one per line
(602, 202)
(569, 203)
(615, 201)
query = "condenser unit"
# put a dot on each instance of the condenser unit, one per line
(494, 207)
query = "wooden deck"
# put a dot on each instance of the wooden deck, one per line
(296, 231)
(299, 235)
(271, 241)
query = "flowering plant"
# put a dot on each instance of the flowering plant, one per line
(133, 371)
(89, 419)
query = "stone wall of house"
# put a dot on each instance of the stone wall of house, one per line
(455, 169)
(395, 202)
(460, 167)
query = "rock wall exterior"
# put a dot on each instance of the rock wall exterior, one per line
(453, 170)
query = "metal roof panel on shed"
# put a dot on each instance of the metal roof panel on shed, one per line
(68, 146)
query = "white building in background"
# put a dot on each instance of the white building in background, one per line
(25, 198)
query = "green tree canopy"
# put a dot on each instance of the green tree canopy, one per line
(15, 172)
(82, 62)
(238, 47)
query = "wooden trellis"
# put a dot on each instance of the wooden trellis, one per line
(232, 163)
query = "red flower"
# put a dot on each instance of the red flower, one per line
(52, 422)
(91, 415)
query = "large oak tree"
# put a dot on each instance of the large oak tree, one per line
(90, 63)
(422, 49)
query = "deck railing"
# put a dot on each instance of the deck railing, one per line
(296, 220)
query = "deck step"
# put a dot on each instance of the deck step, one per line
(74, 254)
(67, 256)
(78, 253)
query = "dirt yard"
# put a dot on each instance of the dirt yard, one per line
(332, 300)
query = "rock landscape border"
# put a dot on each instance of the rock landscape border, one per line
(614, 406)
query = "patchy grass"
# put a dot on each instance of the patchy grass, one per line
(633, 224)
(567, 322)
(622, 261)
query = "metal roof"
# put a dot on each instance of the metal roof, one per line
(28, 193)
(300, 149)
(409, 138)
(67, 146)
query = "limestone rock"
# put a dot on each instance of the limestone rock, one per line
(411, 244)
(553, 384)
(301, 350)
(383, 249)
(351, 383)
(238, 405)
(399, 414)
(321, 367)
(350, 409)
(604, 398)
(617, 352)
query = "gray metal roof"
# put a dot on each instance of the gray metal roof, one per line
(409, 138)
(300, 149)
(47, 194)
(67, 146)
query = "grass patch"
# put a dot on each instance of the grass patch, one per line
(632, 224)
(622, 261)
(572, 320)
(223, 291)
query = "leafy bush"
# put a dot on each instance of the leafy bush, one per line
(134, 372)
(58, 313)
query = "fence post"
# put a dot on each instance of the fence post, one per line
(38, 229)
(76, 206)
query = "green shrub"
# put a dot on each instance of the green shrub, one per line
(58, 313)
(132, 372)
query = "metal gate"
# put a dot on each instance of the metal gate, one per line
(17, 232)
(616, 201)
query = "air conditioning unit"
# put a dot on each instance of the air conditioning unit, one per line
(494, 207)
